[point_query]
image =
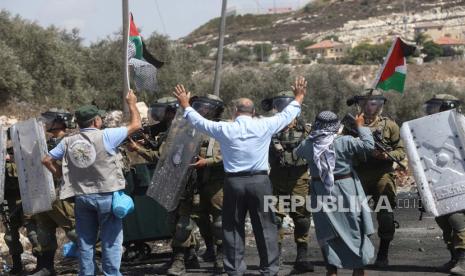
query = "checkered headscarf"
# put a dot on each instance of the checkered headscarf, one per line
(323, 133)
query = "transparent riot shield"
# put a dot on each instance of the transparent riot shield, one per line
(173, 169)
(2, 162)
(35, 181)
(435, 147)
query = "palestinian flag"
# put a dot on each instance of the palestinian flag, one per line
(392, 74)
(142, 64)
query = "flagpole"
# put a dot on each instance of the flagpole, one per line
(125, 55)
(219, 58)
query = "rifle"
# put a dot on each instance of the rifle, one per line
(349, 123)
(146, 134)
(5, 215)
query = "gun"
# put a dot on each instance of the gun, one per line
(145, 133)
(349, 124)
(5, 215)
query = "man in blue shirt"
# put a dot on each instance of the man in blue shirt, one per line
(91, 171)
(244, 145)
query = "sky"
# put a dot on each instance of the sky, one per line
(97, 19)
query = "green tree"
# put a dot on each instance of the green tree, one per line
(431, 50)
(262, 51)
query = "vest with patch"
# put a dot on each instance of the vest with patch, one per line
(88, 168)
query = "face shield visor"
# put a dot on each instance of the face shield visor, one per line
(160, 112)
(279, 103)
(209, 109)
(371, 106)
(56, 120)
(432, 107)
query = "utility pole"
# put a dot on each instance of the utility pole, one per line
(219, 58)
(125, 55)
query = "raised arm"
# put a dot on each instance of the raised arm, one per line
(365, 143)
(284, 118)
(135, 121)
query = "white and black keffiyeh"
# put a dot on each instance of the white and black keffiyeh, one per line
(324, 131)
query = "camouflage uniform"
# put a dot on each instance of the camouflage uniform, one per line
(452, 225)
(378, 175)
(16, 219)
(208, 212)
(289, 177)
(61, 215)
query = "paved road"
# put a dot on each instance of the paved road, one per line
(416, 250)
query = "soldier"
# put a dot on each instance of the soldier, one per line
(184, 242)
(210, 178)
(452, 225)
(13, 218)
(376, 171)
(289, 176)
(62, 213)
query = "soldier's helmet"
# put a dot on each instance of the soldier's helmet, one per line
(440, 103)
(164, 109)
(370, 102)
(55, 117)
(209, 106)
(278, 102)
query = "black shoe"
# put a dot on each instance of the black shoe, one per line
(191, 259)
(17, 265)
(302, 262)
(47, 261)
(382, 261)
(451, 263)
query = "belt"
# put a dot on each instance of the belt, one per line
(336, 177)
(245, 173)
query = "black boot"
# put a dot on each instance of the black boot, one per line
(302, 262)
(17, 264)
(459, 267)
(209, 254)
(48, 264)
(191, 259)
(218, 266)
(177, 266)
(451, 263)
(383, 251)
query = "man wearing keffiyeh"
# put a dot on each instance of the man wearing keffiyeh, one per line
(341, 234)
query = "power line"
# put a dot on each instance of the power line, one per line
(161, 18)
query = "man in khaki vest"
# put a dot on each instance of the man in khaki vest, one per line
(92, 171)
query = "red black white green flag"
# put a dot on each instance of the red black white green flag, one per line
(394, 71)
(144, 65)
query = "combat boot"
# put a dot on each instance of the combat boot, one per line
(177, 266)
(302, 262)
(17, 264)
(48, 262)
(451, 263)
(459, 267)
(382, 260)
(191, 259)
(209, 254)
(218, 265)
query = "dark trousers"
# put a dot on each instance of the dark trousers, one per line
(242, 194)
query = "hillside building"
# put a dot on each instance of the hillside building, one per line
(327, 50)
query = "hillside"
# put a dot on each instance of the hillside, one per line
(325, 17)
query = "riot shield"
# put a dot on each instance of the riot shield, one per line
(435, 148)
(173, 169)
(2, 162)
(35, 181)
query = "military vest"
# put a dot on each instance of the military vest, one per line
(282, 148)
(88, 168)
